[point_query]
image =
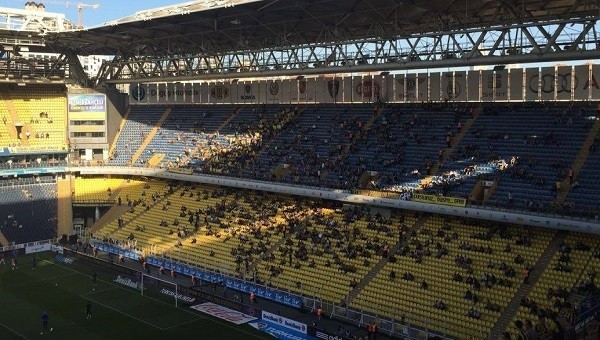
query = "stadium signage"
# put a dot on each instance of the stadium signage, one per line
(200, 295)
(223, 313)
(285, 322)
(181, 297)
(127, 282)
(277, 331)
(63, 259)
(37, 248)
(183, 171)
(368, 89)
(219, 92)
(326, 336)
(452, 201)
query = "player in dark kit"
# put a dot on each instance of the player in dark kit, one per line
(45, 320)
(88, 310)
(94, 281)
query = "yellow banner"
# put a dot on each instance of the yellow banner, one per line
(183, 171)
(434, 199)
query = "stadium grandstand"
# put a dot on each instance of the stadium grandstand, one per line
(370, 168)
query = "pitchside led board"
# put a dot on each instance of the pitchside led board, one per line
(581, 82)
(87, 107)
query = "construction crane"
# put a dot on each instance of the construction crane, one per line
(79, 5)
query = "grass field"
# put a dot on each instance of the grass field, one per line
(118, 312)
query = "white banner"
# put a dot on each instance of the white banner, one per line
(547, 83)
(501, 85)
(487, 85)
(246, 92)
(388, 88)
(219, 93)
(332, 90)
(447, 86)
(162, 93)
(399, 88)
(516, 84)
(37, 248)
(223, 313)
(273, 91)
(460, 86)
(422, 87)
(204, 96)
(473, 86)
(434, 86)
(532, 84)
(347, 89)
(582, 79)
(285, 322)
(593, 83)
(565, 83)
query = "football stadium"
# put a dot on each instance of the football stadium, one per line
(307, 169)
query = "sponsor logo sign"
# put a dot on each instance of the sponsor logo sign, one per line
(278, 331)
(224, 313)
(327, 336)
(452, 201)
(127, 282)
(368, 89)
(138, 93)
(57, 249)
(219, 92)
(333, 87)
(63, 259)
(302, 86)
(37, 248)
(285, 322)
(273, 88)
(181, 297)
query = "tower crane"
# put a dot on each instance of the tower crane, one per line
(78, 5)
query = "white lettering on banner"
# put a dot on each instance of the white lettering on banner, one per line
(177, 296)
(224, 313)
(37, 248)
(57, 249)
(277, 333)
(64, 259)
(285, 322)
(325, 336)
(127, 282)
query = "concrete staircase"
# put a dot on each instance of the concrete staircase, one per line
(150, 136)
(513, 306)
(346, 149)
(12, 112)
(229, 118)
(578, 163)
(64, 214)
(3, 240)
(121, 125)
(456, 139)
(382, 262)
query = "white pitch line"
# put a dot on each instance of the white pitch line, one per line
(186, 322)
(200, 317)
(98, 291)
(12, 330)
(124, 313)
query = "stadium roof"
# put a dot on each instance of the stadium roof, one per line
(216, 26)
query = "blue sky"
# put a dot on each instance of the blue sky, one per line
(108, 10)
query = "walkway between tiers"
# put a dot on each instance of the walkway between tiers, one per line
(456, 139)
(150, 136)
(513, 306)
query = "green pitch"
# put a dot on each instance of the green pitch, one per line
(117, 312)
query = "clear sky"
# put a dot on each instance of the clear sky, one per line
(108, 10)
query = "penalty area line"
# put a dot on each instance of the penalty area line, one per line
(13, 331)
